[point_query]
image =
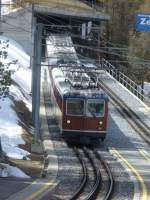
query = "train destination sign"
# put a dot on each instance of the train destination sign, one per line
(143, 22)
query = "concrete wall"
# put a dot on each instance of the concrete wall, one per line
(17, 26)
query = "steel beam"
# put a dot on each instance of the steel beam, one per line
(36, 75)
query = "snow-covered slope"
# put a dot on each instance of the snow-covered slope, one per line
(10, 171)
(10, 131)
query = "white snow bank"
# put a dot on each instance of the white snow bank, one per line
(5, 8)
(147, 88)
(18, 96)
(7, 171)
(23, 78)
(10, 131)
(22, 75)
(16, 52)
(90, 65)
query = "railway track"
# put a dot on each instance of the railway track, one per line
(91, 185)
(109, 191)
(93, 166)
(93, 188)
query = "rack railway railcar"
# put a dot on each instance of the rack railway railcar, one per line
(83, 109)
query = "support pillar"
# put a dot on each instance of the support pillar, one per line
(36, 76)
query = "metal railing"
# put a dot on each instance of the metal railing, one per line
(124, 80)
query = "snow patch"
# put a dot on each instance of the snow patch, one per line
(10, 131)
(10, 171)
(23, 77)
(16, 52)
(147, 88)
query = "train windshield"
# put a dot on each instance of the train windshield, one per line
(95, 108)
(75, 107)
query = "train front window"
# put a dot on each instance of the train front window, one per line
(95, 108)
(75, 107)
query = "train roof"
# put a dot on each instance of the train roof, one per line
(67, 89)
(60, 49)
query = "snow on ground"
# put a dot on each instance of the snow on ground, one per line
(16, 52)
(147, 88)
(10, 131)
(7, 171)
(23, 78)
(5, 8)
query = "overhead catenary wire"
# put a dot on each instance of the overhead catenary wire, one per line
(107, 52)
(102, 49)
(122, 50)
(84, 58)
(136, 60)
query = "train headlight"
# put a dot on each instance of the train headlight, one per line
(100, 122)
(68, 121)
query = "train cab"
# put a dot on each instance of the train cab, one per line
(85, 116)
(83, 109)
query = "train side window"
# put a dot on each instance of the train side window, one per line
(95, 108)
(75, 107)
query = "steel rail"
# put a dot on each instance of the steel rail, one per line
(84, 179)
(111, 180)
(97, 182)
(98, 178)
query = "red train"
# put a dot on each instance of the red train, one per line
(82, 107)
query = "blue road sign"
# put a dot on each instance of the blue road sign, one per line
(143, 22)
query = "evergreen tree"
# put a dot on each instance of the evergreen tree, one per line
(5, 71)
